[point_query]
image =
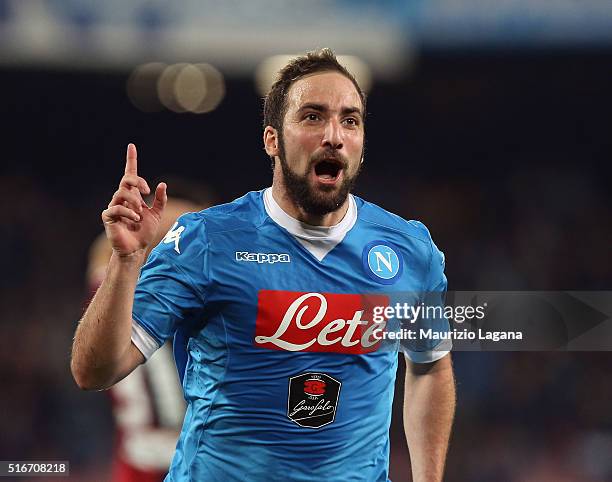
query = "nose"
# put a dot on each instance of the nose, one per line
(332, 137)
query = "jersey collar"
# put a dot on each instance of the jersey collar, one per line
(319, 240)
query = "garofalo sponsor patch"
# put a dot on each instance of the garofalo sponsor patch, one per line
(312, 400)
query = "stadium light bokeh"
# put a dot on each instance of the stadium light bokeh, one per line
(142, 87)
(181, 87)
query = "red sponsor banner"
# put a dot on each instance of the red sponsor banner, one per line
(318, 322)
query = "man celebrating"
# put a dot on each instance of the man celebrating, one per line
(266, 298)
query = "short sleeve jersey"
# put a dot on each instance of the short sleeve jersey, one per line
(273, 337)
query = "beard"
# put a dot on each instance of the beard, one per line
(316, 201)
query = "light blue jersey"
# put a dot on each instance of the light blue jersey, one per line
(273, 337)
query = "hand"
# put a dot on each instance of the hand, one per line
(130, 224)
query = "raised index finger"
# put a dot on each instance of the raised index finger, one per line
(130, 159)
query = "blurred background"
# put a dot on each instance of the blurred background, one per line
(488, 121)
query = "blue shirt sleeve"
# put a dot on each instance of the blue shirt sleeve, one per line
(436, 280)
(171, 290)
(423, 350)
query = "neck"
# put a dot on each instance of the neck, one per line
(280, 195)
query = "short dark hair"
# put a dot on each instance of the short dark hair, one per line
(323, 60)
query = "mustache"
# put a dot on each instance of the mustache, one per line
(329, 155)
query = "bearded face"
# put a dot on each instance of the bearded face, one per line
(325, 185)
(321, 143)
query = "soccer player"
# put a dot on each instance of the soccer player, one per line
(264, 298)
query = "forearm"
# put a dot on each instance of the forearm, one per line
(429, 408)
(103, 337)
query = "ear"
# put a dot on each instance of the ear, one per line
(270, 139)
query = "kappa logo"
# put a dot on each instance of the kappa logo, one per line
(174, 236)
(260, 258)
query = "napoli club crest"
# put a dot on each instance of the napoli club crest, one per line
(382, 262)
(313, 399)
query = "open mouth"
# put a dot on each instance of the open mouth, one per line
(328, 170)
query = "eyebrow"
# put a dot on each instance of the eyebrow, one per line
(323, 108)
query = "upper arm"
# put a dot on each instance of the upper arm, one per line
(172, 288)
(415, 369)
(129, 362)
(427, 349)
(439, 372)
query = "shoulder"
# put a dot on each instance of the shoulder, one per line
(239, 213)
(191, 233)
(373, 214)
(403, 232)
(245, 212)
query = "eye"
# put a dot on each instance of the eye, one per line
(312, 117)
(351, 121)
